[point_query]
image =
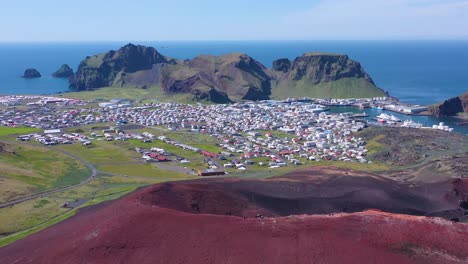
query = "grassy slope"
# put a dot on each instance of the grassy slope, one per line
(31, 169)
(344, 88)
(28, 169)
(132, 93)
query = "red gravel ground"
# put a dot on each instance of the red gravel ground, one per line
(186, 222)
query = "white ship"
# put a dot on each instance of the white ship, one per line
(387, 118)
(411, 123)
(316, 108)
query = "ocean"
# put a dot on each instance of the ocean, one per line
(418, 72)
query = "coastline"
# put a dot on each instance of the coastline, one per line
(391, 72)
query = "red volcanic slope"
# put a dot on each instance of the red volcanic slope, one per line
(134, 230)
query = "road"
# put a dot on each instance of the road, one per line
(93, 174)
(88, 165)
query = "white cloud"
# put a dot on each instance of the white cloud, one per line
(380, 19)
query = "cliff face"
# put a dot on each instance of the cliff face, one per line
(318, 67)
(231, 77)
(322, 75)
(109, 68)
(321, 67)
(452, 106)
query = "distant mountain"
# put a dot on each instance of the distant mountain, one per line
(227, 78)
(452, 106)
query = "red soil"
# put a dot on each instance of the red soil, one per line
(161, 224)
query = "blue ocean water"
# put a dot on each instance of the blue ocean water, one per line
(420, 72)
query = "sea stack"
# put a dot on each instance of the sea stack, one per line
(31, 73)
(63, 72)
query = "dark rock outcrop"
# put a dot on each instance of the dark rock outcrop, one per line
(452, 106)
(31, 73)
(63, 72)
(226, 78)
(282, 65)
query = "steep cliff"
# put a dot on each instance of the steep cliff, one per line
(323, 75)
(108, 69)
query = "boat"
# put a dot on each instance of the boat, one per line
(363, 114)
(388, 118)
(394, 118)
(411, 123)
(317, 108)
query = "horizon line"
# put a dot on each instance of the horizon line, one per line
(246, 40)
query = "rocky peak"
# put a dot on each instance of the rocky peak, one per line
(132, 58)
(230, 77)
(110, 68)
(63, 72)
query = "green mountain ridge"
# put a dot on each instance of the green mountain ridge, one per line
(226, 78)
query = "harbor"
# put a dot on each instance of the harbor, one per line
(416, 121)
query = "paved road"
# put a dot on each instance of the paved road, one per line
(90, 167)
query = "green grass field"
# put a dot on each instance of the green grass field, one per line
(373, 145)
(103, 152)
(9, 131)
(30, 169)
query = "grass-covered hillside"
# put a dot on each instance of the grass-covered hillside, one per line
(342, 88)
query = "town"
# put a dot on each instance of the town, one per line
(269, 134)
(282, 134)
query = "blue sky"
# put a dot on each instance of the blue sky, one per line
(139, 20)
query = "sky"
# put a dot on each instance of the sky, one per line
(188, 20)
